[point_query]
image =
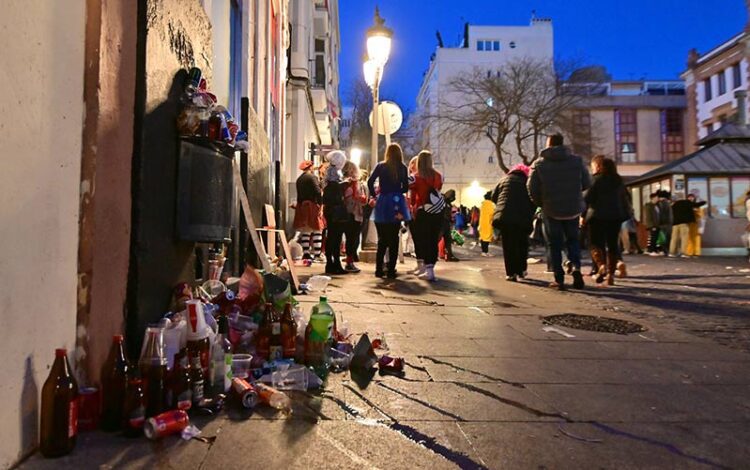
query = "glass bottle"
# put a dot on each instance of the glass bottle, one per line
(180, 387)
(196, 381)
(59, 420)
(319, 337)
(221, 359)
(134, 409)
(269, 335)
(114, 384)
(153, 366)
(288, 332)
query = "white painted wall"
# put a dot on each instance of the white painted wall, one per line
(460, 162)
(41, 120)
(705, 109)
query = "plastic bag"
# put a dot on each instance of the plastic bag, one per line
(457, 237)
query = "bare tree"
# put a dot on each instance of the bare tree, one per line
(361, 99)
(515, 107)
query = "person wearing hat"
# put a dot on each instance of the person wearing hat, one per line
(334, 211)
(307, 216)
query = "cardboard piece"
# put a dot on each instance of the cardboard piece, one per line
(249, 219)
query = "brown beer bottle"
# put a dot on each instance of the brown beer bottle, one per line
(134, 409)
(59, 426)
(153, 367)
(288, 332)
(114, 384)
(180, 389)
(268, 344)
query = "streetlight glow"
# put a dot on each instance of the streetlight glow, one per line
(372, 72)
(355, 155)
(379, 40)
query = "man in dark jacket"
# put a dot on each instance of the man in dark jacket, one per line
(683, 214)
(556, 184)
(650, 220)
(513, 216)
(665, 218)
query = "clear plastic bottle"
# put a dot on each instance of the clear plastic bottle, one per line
(319, 337)
(221, 359)
(272, 397)
(153, 365)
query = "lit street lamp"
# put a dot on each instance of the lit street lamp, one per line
(356, 156)
(378, 49)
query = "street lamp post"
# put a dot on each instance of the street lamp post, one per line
(378, 49)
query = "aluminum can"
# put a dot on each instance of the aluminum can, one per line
(246, 392)
(170, 422)
(89, 408)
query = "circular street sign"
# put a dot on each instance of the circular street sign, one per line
(390, 113)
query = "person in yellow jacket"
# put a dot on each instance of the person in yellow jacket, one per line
(486, 232)
(695, 229)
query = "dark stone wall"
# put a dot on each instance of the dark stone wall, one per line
(173, 35)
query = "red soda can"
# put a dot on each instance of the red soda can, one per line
(391, 364)
(89, 408)
(170, 422)
(245, 392)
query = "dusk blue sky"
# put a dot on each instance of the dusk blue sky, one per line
(632, 39)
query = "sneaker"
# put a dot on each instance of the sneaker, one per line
(654, 253)
(523, 275)
(671, 255)
(512, 278)
(558, 286)
(685, 256)
(578, 280)
(568, 265)
(392, 274)
(351, 268)
(379, 274)
(452, 259)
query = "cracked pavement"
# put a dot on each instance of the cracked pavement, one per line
(487, 387)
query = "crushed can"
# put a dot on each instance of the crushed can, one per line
(246, 393)
(170, 422)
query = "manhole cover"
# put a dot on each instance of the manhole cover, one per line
(594, 323)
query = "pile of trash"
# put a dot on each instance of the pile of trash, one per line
(201, 116)
(242, 347)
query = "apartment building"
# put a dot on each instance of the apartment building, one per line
(640, 124)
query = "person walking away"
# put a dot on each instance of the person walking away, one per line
(336, 217)
(427, 204)
(682, 216)
(650, 219)
(355, 198)
(513, 215)
(608, 208)
(450, 216)
(696, 228)
(308, 218)
(556, 184)
(665, 219)
(484, 227)
(390, 207)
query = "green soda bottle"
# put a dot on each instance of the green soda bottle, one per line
(319, 337)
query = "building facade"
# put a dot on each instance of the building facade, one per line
(313, 115)
(711, 79)
(472, 170)
(90, 198)
(640, 124)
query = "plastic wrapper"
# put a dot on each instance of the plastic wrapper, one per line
(251, 290)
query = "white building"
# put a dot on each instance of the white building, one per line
(473, 169)
(313, 104)
(711, 80)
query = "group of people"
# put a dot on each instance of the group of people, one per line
(394, 195)
(557, 190)
(673, 228)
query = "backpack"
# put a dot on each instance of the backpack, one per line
(436, 203)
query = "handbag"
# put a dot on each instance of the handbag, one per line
(436, 203)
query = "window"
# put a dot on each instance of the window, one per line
(740, 186)
(707, 89)
(496, 45)
(581, 135)
(512, 44)
(320, 63)
(736, 76)
(719, 202)
(722, 82)
(488, 45)
(626, 135)
(235, 59)
(491, 159)
(480, 45)
(672, 140)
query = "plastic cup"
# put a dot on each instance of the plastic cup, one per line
(292, 378)
(241, 365)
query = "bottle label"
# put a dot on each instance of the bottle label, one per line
(73, 417)
(184, 400)
(197, 392)
(137, 417)
(275, 328)
(227, 371)
(275, 352)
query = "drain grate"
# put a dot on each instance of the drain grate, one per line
(594, 323)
